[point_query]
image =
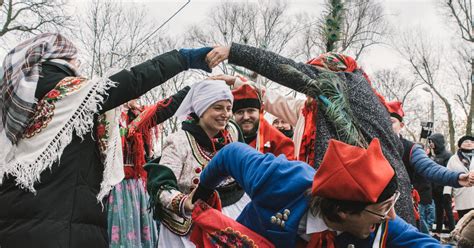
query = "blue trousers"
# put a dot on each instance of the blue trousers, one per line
(427, 216)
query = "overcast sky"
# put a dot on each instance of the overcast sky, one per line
(424, 14)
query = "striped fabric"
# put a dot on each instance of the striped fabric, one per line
(21, 71)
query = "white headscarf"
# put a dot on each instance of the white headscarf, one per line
(202, 95)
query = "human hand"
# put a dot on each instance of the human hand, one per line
(217, 55)
(229, 80)
(466, 180)
(188, 202)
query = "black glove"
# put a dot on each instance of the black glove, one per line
(195, 58)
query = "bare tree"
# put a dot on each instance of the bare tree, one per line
(364, 26)
(461, 73)
(425, 61)
(265, 24)
(349, 26)
(307, 45)
(112, 35)
(117, 35)
(460, 11)
(393, 85)
(32, 16)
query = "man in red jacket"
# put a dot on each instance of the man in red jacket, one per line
(258, 133)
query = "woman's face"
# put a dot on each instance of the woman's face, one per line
(467, 144)
(216, 117)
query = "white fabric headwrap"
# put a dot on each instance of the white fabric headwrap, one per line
(202, 95)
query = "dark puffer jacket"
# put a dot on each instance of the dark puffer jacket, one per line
(65, 211)
(369, 113)
(440, 156)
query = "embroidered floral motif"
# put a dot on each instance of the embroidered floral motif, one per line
(175, 203)
(44, 110)
(115, 234)
(102, 134)
(230, 238)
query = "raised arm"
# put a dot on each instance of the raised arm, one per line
(172, 104)
(265, 63)
(141, 78)
(158, 113)
(431, 170)
(254, 171)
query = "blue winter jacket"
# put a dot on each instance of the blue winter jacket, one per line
(431, 170)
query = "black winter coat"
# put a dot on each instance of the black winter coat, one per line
(441, 156)
(65, 211)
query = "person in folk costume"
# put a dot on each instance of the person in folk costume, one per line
(421, 169)
(55, 125)
(462, 162)
(339, 96)
(130, 224)
(185, 153)
(283, 126)
(258, 133)
(347, 202)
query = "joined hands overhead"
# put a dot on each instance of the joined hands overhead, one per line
(217, 55)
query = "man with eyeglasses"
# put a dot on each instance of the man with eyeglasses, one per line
(348, 202)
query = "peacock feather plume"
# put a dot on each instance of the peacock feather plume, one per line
(328, 89)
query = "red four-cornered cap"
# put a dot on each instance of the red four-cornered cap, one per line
(352, 173)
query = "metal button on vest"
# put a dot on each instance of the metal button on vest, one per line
(273, 219)
(286, 211)
(282, 224)
(285, 217)
(279, 215)
(278, 222)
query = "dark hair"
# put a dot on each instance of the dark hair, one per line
(464, 243)
(329, 208)
(397, 116)
(464, 138)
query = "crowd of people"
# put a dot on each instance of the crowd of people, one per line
(78, 168)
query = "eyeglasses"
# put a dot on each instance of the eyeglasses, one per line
(383, 216)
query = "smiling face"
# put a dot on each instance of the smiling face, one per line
(248, 119)
(281, 124)
(362, 224)
(216, 117)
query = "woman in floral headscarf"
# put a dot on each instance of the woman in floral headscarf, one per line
(52, 173)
